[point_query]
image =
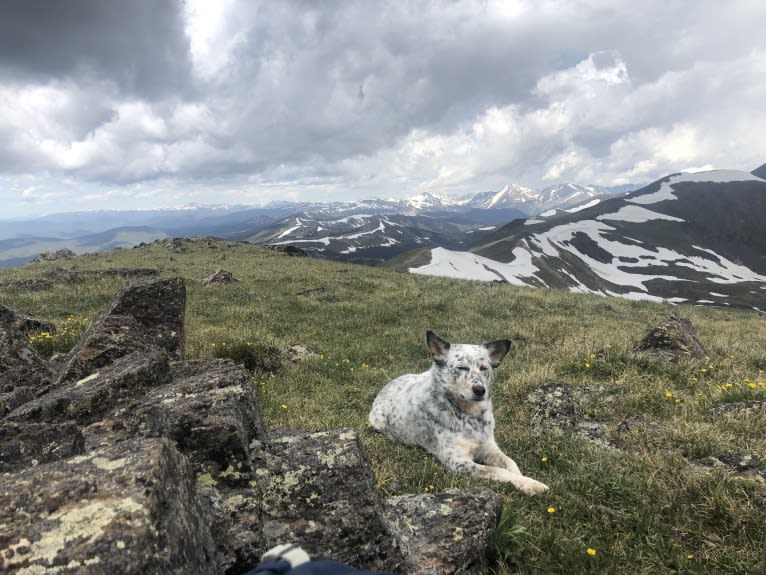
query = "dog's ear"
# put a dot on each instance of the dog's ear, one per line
(438, 347)
(497, 350)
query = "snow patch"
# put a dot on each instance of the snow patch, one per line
(636, 214)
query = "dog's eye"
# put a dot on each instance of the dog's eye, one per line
(463, 368)
(484, 368)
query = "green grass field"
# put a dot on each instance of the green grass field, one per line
(643, 508)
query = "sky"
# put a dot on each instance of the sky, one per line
(159, 103)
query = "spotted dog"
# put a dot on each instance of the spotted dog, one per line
(447, 410)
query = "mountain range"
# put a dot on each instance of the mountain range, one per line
(695, 238)
(366, 231)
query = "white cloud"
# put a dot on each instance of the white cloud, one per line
(343, 98)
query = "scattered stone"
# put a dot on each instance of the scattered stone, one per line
(219, 277)
(313, 292)
(748, 467)
(319, 494)
(672, 340)
(445, 532)
(62, 254)
(296, 354)
(212, 416)
(131, 508)
(738, 409)
(557, 405)
(289, 250)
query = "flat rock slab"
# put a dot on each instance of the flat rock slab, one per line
(318, 492)
(444, 533)
(130, 508)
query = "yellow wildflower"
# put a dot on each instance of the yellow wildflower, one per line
(551, 509)
(591, 551)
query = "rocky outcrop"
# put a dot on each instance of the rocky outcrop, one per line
(62, 254)
(672, 340)
(132, 459)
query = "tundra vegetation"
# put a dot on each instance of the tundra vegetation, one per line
(673, 482)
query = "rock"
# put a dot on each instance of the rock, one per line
(20, 365)
(218, 277)
(144, 315)
(558, 405)
(130, 508)
(312, 292)
(738, 409)
(446, 532)
(89, 399)
(16, 396)
(672, 340)
(212, 416)
(297, 354)
(26, 323)
(62, 254)
(318, 492)
(236, 524)
(289, 250)
(748, 467)
(25, 445)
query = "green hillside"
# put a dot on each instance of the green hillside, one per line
(645, 497)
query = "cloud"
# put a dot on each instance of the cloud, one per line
(252, 98)
(140, 45)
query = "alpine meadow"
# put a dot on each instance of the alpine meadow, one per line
(659, 467)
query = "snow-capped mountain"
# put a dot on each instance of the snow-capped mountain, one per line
(694, 238)
(370, 238)
(424, 220)
(382, 229)
(533, 202)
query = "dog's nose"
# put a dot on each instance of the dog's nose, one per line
(478, 390)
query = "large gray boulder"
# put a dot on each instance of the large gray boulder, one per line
(319, 493)
(444, 532)
(130, 508)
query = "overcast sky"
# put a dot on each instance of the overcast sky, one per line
(153, 103)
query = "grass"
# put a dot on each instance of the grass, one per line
(643, 508)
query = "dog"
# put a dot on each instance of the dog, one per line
(447, 410)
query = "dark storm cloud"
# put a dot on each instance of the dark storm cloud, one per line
(138, 44)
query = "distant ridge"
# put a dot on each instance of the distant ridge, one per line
(694, 238)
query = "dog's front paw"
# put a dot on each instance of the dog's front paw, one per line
(530, 486)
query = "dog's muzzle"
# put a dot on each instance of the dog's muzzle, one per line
(479, 391)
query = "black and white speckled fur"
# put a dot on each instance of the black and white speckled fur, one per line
(448, 411)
